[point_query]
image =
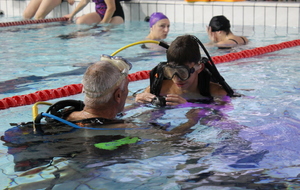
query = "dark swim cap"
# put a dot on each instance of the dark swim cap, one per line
(218, 23)
(157, 16)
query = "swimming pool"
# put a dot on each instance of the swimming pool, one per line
(250, 142)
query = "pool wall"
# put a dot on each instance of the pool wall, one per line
(244, 13)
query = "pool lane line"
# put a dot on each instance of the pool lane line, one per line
(73, 89)
(25, 22)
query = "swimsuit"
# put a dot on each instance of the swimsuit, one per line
(237, 42)
(101, 8)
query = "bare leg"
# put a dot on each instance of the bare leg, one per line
(116, 20)
(31, 9)
(45, 8)
(91, 18)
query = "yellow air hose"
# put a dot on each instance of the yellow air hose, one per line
(35, 106)
(136, 43)
(35, 110)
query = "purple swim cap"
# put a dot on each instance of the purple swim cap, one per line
(156, 17)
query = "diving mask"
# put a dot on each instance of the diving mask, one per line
(118, 61)
(183, 72)
(121, 64)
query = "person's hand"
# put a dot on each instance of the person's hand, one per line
(209, 33)
(174, 99)
(69, 16)
(71, 2)
(144, 97)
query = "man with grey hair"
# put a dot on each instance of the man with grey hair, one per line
(105, 85)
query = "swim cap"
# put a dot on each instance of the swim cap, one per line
(157, 16)
(218, 23)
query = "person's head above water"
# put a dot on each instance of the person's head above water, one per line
(186, 76)
(159, 26)
(184, 49)
(183, 61)
(220, 34)
(220, 23)
(155, 17)
(105, 82)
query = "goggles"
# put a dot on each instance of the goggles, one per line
(182, 72)
(121, 64)
(117, 61)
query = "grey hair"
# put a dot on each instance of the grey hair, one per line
(98, 78)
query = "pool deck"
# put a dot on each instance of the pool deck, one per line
(244, 13)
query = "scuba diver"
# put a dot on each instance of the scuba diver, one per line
(105, 85)
(185, 77)
(73, 127)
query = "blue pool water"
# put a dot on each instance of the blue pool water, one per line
(250, 142)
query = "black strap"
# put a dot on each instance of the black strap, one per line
(55, 108)
(244, 40)
(234, 41)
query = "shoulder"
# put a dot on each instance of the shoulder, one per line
(64, 108)
(74, 116)
(245, 39)
(98, 121)
(226, 44)
(217, 90)
(233, 41)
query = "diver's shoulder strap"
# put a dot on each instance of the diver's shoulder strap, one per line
(156, 78)
(57, 108)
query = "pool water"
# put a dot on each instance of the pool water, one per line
(248, 142)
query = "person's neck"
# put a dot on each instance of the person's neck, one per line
(151, 37)
(101, 112)
(186, 93)
(191, 92)
(225, 36)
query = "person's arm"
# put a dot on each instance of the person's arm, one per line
(78, 8)
(111, 8)
(145, 97)
(171, 99)
(193, 117)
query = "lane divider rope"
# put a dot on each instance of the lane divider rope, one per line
(24, 22)
(72, 89)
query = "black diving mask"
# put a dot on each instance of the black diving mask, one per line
(183, 72)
